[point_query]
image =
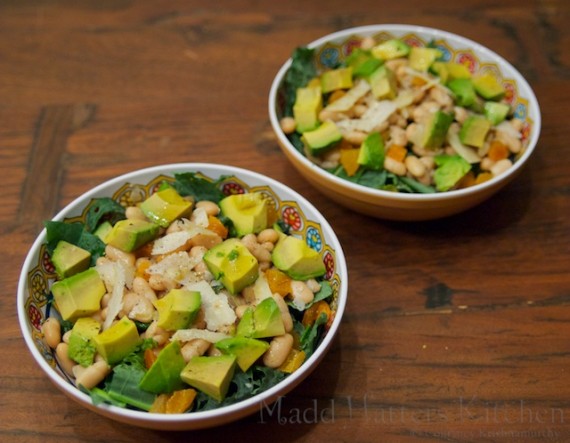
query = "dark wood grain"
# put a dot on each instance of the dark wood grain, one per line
(456, 330)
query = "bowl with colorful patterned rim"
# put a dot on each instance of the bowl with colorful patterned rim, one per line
(292, 213)
(336, 165)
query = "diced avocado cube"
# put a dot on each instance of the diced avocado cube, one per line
(390, 49)
(79, 295)
(129, 235)
(334, 79)
(263, 321)
(496, 112)
(448, 71)
(371, 154)
(421, 58)
(248, 212)
(118, 341)
(362, 62)
(247, 350)
(323, 138)
(210, 374)
(474, 131)
(102, 230)
(163, 377)
(308, 104)
(81, 347)
(436, 129)
(297, 259)
(450, 169)
(232, 264)
(69, 259)
(383, 83)
(489, 87)
(165, 206)
(464, 91)
(177, 309)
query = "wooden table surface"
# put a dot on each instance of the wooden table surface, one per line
(455, 330)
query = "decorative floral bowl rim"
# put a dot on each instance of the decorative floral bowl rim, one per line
(304, 219)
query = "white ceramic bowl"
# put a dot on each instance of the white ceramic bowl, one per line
(401, 206)
(37, 275)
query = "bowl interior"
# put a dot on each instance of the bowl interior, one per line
(334, 48)
(304, 220)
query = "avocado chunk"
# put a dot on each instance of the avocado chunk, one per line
(69, 259)
(264, 320)
(488, 87)
(163, 377)
(393, 48)
(372, 154)
(496, 112)
(165, 206)
(335, 79)
(211, 375)
(178, 309)
(448, 71)
(129, 235)
(421, 58)
(308, 104)
(383, 83)
(450, 169)
(81, 348)
(79, 295)
(232, 264)
(436, 130)
(323, 138)
(297, 259)
(102, 230)
(474, 131)
(118, 341)
(362, 62)
(248, 212)
(247, 350)
(464, 91)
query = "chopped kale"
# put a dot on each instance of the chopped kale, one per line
(301, 71)
(189, 184)
(103, 209)
(76, 234)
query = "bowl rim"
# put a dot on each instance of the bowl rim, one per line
(400, 196)
(218, 414)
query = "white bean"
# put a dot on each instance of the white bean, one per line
(278, 351)
(65, 362)
(288, 125)
(210, 207)
(93, 375)
(116, 255)
(501, 166)
(135, 213)
(394, 166)
(52, 332)
(285, 314)
(415, 166)
(194, 348)
(301, 293)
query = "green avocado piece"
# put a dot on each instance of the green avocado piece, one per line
(421, 58)
(247, 350)
(334, 79)
(248, 212)
(488, 87)
(177, 309)
(496, 112)
(69, 259)
(323, 138)
(163, 377)
(474, 131)
(103, 229)
(232, 264)
(118, 341)
(81, 348)
(371, 154)
(264, 320)
(210, 374)
(362, 62)
(436, 130)
(383, 83)
(464, 91)
(79, 295)
(308, 104)
(448, 71)
(393, 48)
(165, 206)
(129, 235)
(450, 169)
(297, 259)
